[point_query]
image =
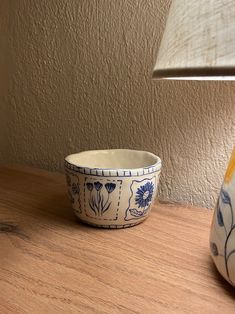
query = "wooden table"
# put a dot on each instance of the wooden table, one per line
(51, 263)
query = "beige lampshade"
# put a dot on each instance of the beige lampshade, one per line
(198, 41)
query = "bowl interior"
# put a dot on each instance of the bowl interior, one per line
(113, 159)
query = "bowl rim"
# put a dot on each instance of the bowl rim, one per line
(115, 171)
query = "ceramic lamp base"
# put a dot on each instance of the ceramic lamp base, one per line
(222, 237)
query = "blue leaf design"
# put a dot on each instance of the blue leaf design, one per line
(220, 217)
(225, 197)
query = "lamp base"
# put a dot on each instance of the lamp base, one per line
(222, 236)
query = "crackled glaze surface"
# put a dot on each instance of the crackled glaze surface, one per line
(112, 197)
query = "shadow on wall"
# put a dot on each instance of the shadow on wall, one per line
(82, 80)
(198, 139)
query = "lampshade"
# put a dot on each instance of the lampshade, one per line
(198, 41)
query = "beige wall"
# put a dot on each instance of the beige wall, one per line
(81, 79)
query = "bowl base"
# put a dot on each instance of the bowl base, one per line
(109, 226)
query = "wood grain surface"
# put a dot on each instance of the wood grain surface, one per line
(51, 263)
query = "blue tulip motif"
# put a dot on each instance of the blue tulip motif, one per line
(98, 186)
(99, 200)
(89, 186)
(110, 187)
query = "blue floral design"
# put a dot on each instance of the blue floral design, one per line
(75, 188)
(214, 249)
(225, 197)
(89, 186)
(110, 187)
(99, 201)
(144, 195)
(223, 200)
(220, 217)
(98, 186)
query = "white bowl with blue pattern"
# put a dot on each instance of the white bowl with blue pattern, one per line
(112, 188)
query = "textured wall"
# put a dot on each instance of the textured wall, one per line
(81, 79)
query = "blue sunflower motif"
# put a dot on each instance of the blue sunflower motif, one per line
(144, 195)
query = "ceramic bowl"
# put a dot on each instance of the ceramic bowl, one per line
(112, 188)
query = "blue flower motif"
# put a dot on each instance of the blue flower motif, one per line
(89, 186)
(225, 197)
(220, 217)
(144, 194)
(110, 187)
(98, 186)
(75, 188)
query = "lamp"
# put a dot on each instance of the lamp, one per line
(199, 44)
(198, 41)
